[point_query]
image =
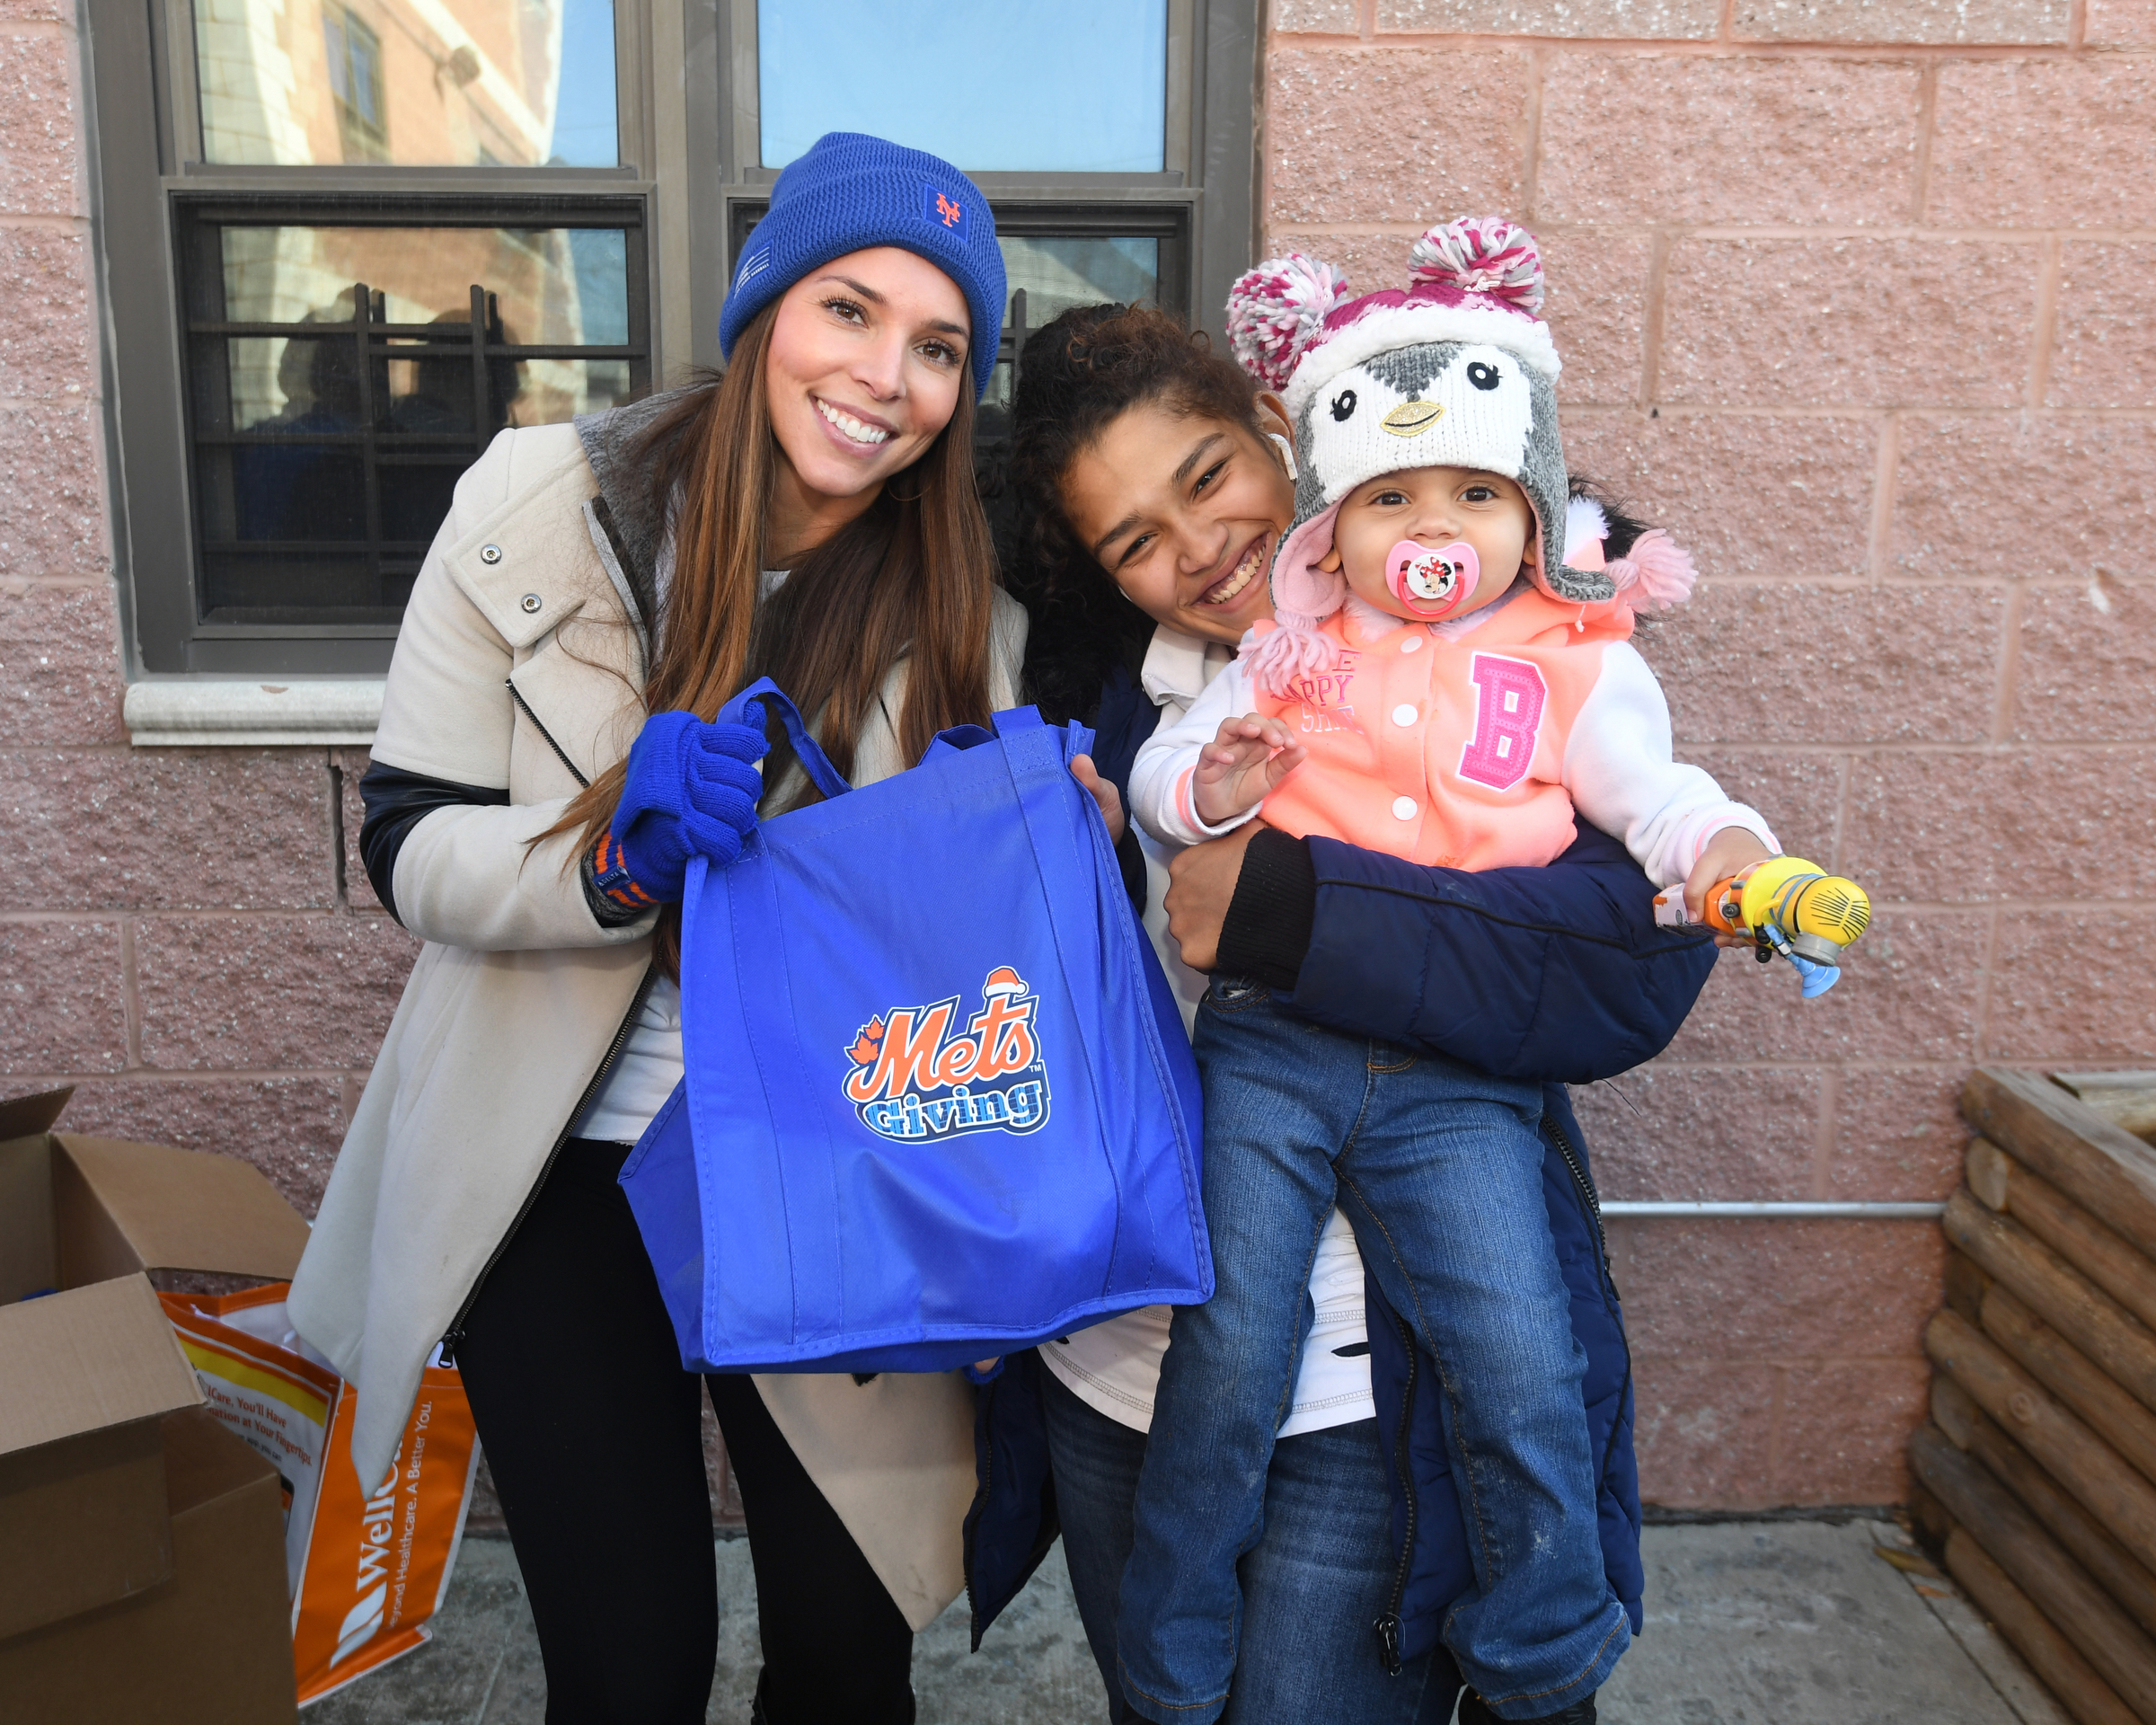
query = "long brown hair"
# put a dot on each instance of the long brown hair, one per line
(912, 577)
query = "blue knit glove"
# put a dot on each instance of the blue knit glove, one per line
(691, 791)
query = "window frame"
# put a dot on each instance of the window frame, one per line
(143, 122)
(1210, 160)
(690, 156)
(197, 216)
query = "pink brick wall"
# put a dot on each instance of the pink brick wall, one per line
(1857, 299)
(185, 934)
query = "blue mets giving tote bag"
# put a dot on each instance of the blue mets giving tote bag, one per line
(939, 1103)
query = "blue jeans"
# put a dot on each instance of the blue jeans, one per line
(1439, 1170)
(1310, 1591)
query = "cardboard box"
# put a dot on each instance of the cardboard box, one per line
(209, 1646)
(116, 1515)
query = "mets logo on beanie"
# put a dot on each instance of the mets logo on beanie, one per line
(914, 1074)
(943, 209)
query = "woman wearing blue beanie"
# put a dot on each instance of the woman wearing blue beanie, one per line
(546, 766)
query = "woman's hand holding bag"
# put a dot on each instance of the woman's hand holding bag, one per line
(691, 790)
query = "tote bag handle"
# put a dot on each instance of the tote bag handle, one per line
(1011, 722)
(825, 776)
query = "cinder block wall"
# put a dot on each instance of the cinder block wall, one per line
(1857, 299)
(185, 934)
(1859, 309)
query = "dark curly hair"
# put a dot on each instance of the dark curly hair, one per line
(1078, 374)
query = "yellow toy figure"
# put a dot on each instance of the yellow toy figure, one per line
(1783, 905)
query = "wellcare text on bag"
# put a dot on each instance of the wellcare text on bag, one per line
(914, 1076)
(366, 1574)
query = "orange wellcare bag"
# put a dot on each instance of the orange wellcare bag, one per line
(365, 1573)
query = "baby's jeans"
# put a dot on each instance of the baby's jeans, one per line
(1439, 1169)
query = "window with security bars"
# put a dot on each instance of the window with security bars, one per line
(341, 376)
(346, 242)
(349, 242)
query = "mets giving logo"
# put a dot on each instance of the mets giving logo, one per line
(916, 1076)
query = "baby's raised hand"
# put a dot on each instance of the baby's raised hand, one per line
(1729, 852)
(1235, 770)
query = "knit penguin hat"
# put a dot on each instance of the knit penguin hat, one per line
(1455, 370)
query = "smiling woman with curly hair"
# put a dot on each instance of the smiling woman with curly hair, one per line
(1154, 483)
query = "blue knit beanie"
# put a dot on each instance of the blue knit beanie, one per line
(850, 193)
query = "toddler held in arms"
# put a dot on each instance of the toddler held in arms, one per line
(1450, 679)
(1451, 675)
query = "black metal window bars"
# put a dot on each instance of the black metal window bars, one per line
(325, 516)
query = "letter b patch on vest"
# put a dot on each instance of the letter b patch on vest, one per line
(1510, 697)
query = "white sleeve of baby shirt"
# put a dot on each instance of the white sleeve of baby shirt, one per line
(1160, 779)
(1622, 777)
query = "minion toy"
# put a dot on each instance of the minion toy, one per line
(1783, 905)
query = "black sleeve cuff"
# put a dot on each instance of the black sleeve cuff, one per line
(396, 801)
(1131, 860)
(1266, 934)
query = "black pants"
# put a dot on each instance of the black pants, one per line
(594, 1434)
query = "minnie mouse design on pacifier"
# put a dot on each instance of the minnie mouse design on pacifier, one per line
(1431, 583)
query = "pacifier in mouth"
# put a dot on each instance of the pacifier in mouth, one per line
(1431, 583)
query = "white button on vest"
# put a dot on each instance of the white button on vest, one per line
(1412, 643)
(1403, 808)
(1404, 714)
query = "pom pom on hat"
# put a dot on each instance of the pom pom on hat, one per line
(1304, 595)
(1481, 254)
(1655, 574)
(1283, 657)
(1276, 309)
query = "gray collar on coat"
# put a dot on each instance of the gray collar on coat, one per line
(635, 527)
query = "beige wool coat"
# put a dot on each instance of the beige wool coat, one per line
(519, 666)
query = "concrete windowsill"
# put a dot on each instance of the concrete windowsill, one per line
(308, 712)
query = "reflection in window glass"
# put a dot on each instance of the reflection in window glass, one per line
(1055, 274)
(1035, 87)
(1060, 273)
(355, 66)
(442, 83)
(330, 430)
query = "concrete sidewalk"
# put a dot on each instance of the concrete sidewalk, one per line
(1780, 1623)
